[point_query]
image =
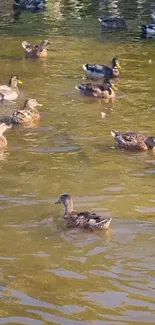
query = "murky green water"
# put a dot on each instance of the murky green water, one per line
(49, 274)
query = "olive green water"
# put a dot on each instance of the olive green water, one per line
(49, 274)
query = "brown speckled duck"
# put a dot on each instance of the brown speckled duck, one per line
(133, 141)
(28, 114)
(88, 220)
(105, 90)
(35, 51)
(3, 141)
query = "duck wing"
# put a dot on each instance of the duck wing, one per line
(30, 48)
(97, 68)
(8, 93)
(129, 140)
(21, 116)
(88, 219)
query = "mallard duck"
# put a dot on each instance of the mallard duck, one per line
(29, 4)
(81, 219)
(26, 115)
(147, 31)
(104, 90)
(102, 70)
(133, 140)
(112, 23)
(3, 141)
(11, 92)
(35, 51)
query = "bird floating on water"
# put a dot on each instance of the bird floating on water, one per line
(112, 23)
(35, 51)
(103, 70)
(105, 90)
(87, 220)
(11, 92)
(133, 141)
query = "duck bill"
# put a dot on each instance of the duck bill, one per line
(114, 87)
(58, 202)
(20, 82)
(38, 104)
(118, 65)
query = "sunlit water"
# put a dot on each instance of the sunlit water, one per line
(49, 274)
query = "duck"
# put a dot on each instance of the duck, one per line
(87, 220)
(112, 23)
(105, 90)
(29, 4)
(35, 51)
(11, 92)
(147, 30)
(133, 141)
(103, 70)
(27, 115)
(3, 128)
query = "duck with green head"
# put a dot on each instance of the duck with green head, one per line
(103, 70)
(105, 90)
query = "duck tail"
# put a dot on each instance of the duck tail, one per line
(103, 224)
(84, 66)
(25, 44)
(114, 133)
(100, 20)
(142, 27)
(81, 87)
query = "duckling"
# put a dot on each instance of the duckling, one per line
(89, 220)
(133, 141)
(35, 51)
(112, 23)
(104, 90)
(28, 114)
(11, 92)
(102, 70)
(3, 141)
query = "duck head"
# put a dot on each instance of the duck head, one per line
(14, 80)
(67, 202)
(115, 63)
(31, 103)
(150, 142)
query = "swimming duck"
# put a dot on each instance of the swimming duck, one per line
(89, 220)
(112, 23)
(103, 70)
(11, 92)
(147, 31)
(29, 4)
(133, 140)
(28, 114)
(35, 51)
(104, 90)
(3, 141)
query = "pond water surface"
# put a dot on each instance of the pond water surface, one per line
(49, 274)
